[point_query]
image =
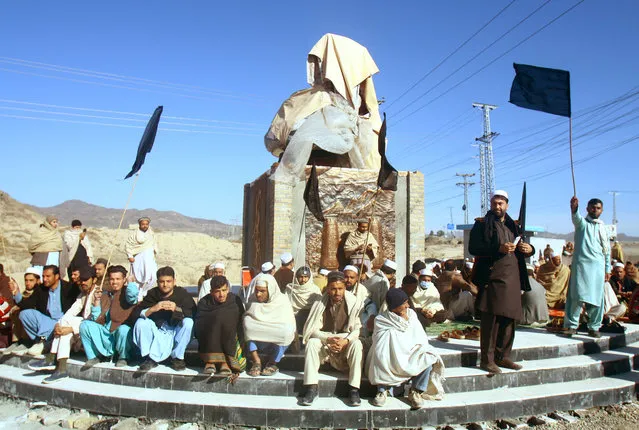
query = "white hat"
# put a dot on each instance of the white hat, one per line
(261, 283)
(351, 268)
(390, 264)
(469, 264)
(530, 267)
(217, 265)
(34, 271)
(427, 272)
(619, 265)
(286, 258)
(501, 193)
(267, 267)
(324, 272)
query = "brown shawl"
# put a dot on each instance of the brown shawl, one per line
(116, 306)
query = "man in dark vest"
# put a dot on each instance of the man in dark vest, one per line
(500, 274)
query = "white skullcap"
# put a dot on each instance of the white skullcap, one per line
(618, 265)
(427, 272)
(286, 258)
(530, 267)
(34, 271)
(324, 272)
(613, 261)
(217, 265)
(501, 193)
(469, 264)
(390, 264)
(267, 267)
(261, 283)
(351, 268)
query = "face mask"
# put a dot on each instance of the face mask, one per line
(424, 284)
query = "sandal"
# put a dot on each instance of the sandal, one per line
(270, 370)
(473, 334)
(224, 370)
(457, 334)
(255, 370)
(443, 336)
(209, 368)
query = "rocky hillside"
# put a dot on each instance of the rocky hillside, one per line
(187, 252)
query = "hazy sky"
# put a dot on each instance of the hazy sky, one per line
(78, 81)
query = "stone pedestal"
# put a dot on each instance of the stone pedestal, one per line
(276, 219)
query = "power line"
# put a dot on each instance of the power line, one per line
(420, 80)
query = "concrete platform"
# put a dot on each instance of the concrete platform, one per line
(558, 374)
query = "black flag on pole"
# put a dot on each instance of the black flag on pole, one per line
(387, 178)
(542, 89)
(146, 143)
(311, 195)
(522, 212)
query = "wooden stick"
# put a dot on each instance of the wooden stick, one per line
(299, 239)
(126, 206)
(572, 166)
(368, 233)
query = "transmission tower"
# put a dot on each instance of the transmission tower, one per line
(465, 184)
(614, 207)
(486, 162)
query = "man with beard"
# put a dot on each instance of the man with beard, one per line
(141, 248)
(217, 269)
(554, 276)
(285, 275)
(500, 274)
(100, 273)
(622, 285)
(590, 268)
(20, 338)
(360, 245)
(331, 334)
(77, 251)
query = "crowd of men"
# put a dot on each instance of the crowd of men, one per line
(355, 319)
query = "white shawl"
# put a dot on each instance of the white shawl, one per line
(272, 321)
(603, 235)
(139, 241)
(303, 296)
(400, 351)
(315, 319)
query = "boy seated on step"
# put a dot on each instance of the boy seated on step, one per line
(107, 332)
(331, 334)
(66, 332)
(164, 322)
(269, 325)
(218, 324)
(20, 340)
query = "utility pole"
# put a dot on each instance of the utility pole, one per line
(450, 208)
(486, 162)
(614, 208)
(465, 184)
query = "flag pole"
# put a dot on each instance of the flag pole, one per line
(572, 166)
(299, 240)
(368, 233)
(126, 206)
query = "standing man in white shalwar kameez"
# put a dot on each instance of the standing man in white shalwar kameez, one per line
(141, 249)
(590, 268)
(401, 352)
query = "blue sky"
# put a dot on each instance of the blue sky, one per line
(78, 80)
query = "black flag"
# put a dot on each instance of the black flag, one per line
(146, 143)
(542, 89)
(387, 178)
(311, 195)
(522, 212)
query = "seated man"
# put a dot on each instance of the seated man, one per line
(622, 285)
(101, 277)
(554, 276)
(302, 294)
(359, 244)
(20, 340)
(613, 310)
(378, 285)
(401, 352)
(351, 281)
(285, 275)
(217, 269)
(320, 280)
(41, 311)
(165, 322)
(533, 302)
(331, 334)
(67, 330)
(426, 302)
(107, 332)
(417, 266)
(456, 294)
(269, 325)
(218, 324)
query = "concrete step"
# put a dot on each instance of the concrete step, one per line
(332, 383)
(282, 411)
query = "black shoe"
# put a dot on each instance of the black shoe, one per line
(353, 397)
(594, 333)
(148, 364)
(42, 365)
(55, 377)
(568, 332)
(310, 396)
(90, 363)
(178, 364)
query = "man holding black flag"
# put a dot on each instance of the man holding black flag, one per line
(500, 273)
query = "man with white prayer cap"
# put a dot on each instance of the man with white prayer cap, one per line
(401, 352)
(218, 269)
(285, 274)
(331, 334)
(268, 268)
(351, 280)
(247, 291)
(320, 280)
(378, 285)
(141, 249)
